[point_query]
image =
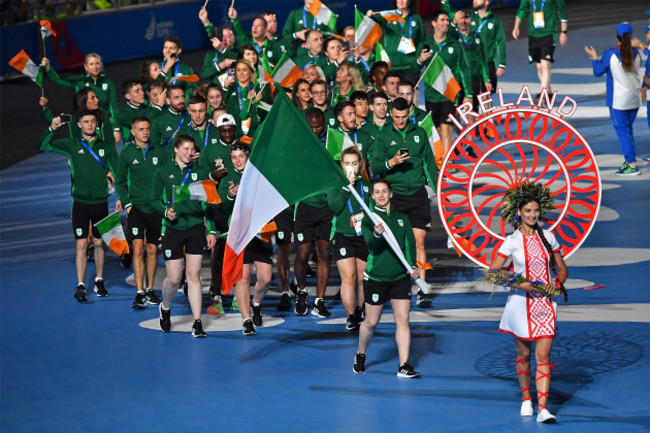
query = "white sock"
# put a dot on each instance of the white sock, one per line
(140, 292)
(98, 279)
(81, 284)
(256, 304)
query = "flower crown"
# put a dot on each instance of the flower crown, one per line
(526, 191)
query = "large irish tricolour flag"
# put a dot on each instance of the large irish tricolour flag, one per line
(287, 164)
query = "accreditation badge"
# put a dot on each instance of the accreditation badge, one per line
(355, 221)
(406, 45)
(538, 20)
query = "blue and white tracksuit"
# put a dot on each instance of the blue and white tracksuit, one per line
(623, 97)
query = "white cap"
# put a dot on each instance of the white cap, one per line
(226, 120)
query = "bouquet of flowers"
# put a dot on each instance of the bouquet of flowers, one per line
(505, 278)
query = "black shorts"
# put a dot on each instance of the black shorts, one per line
(83, 214)
(440, 111)
(541, 49)
(258, 251)
(378, 292)
(312, 223)
(220, 220)
(176, 243)
(349, 247)
(138, 222)
(284, 221)
(416, 207)
(492, 72)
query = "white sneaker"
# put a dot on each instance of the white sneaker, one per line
(546, 417)
(527, 408)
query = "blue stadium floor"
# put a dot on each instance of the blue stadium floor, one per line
(102, 367)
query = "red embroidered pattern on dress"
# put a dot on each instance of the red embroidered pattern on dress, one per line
(541, 317)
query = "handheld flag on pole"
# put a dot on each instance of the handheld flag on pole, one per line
(110, 228)
(366, 32)
(276, 176)
(286, 73)
(25, 65)
(381, 55)
(205, 190)
(439, 76)
(392, 16)
(336, 142)
(434, 139)
(323, 14)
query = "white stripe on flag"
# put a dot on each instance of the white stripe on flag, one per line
(364, 30)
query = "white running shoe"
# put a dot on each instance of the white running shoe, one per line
(527, 408)
(546, 417)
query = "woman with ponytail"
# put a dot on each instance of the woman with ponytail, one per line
(530, 314)
(623, 91)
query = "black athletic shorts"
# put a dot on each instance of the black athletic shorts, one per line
(284, 222)
(220, 219)
(348, 247)
(312, 223)
(176, 243)
(492, 72)
(440, 111)
(541, 49)
(378, 292)
(138, 222)
(83, 214)
(416, 207)
(258, 251)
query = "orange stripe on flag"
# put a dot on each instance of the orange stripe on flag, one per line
(19, 60)
(210, 187)
(373, 37)
(268, 231)
(438, 153)
(452, 89)
(119, 246)
(424, 265)
(246, 139)
(48, 24)
(188, 78)
(232, 269)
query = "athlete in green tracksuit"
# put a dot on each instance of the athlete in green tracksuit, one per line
(264, 46)
(166, 127)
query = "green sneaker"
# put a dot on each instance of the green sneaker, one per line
(234, 306)
(626, 170)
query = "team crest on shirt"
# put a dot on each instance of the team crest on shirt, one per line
(154, 160)
(269, 54)
(332, 121)
(478, 41)
(450, 50)
(417, 139)
(134, 230)
(104, 86)
(300, 237)
(360, 145)
(78, 232)
(168, 253)
(194, 176)
(343, 251)
(365, 188)
(400, 222)
(101, 152)
(412, 23)
(490, 26)
(214, 141)
(87, 84)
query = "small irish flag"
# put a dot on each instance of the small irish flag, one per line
(392, 16)
(439, 76)
(381, 55)
(336, 142)
(366, 32)
(204, 190)
(24, 64)
(46, 29)
(112, 234)
(323, 14)
(286, 73)
(434, 139)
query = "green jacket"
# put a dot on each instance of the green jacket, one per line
(227, 202)
(304, 58)
(182, 69)
(89, 184)
(125, 115)
(140, 167)
(201, 141)
(296, 22)
(329, 70)
(340, 200)
(214, 153)
(373, 129)
(406, 178)
(383, 264)
(103, 87)
(104, 131)
(393, 32)
(476, 59)
(166, 127)
(453, 54)
(270, 49)
(492, 36)
(189, 213)
(210, 69)
(553, 9)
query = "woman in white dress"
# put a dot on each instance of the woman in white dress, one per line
(530, 314)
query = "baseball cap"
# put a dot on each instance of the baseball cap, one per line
(624, 27)
(226, 120)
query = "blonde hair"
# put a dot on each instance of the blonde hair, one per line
(355, 77)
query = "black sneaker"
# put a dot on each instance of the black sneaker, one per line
(140, 301)
(127, 260)
(151, 297)
(197, 330)
(249, 328)
(351, 323)
(165, 319)
(301, 303)
(257, 315)
(358, 314)
(293, 286)
(359, 363)
(423, 300)
(100, 289)
(406, 371)
(285, 302)
(319, 309)
(80, 293)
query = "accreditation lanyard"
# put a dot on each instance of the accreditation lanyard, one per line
(178, 65)
(478, 30)
(175, 131)
(362, 198)
(410, 24)
(239, 95)
(304, 19)
(83, 143)
(365, 64)
(259, 48)
(207, 130)
(144, 154)
(216, 60)
(542, 7)
(462, 37)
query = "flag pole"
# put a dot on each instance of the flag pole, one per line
(425, 71)
(390, 238)
(44, 55)
(205, 4)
